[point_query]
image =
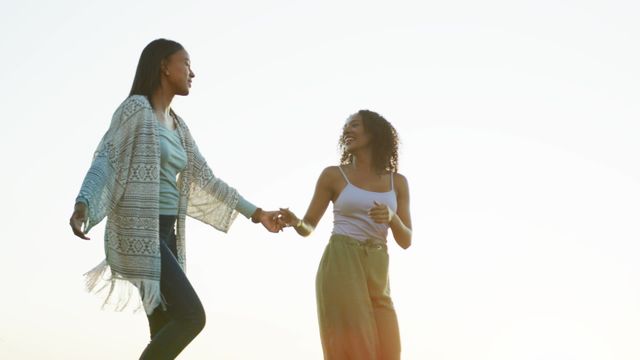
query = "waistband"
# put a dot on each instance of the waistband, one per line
(370, 244)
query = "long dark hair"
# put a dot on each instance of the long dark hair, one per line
(147, 79)
(384, 141)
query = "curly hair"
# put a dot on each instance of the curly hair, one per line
(384, 140)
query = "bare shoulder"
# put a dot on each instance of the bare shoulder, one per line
(401, 182)
(331, 179)
(330, 174)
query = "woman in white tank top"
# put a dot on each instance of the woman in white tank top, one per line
(355, 313)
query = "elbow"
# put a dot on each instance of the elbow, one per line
(402, 236)
(405, 243)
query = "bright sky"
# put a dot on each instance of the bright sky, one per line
(519, 127)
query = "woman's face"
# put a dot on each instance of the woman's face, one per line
(178, 73)
(354, 135)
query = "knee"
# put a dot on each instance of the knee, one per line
(193, 321)
(199, 320)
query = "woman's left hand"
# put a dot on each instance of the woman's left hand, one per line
(380, 213)
(269, 220)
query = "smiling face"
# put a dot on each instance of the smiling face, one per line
(367, 131)
(177, 72)
(354, 135)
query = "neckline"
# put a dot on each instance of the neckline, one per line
(173, 117)
(166, 128)
(369, 191)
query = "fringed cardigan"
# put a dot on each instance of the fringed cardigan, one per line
(123, 185)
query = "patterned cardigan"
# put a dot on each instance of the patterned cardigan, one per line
(123, 185)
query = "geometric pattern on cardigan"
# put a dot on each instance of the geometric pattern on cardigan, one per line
(122, 184)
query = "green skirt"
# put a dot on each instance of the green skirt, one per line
(355, 312)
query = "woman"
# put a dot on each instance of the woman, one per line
(132, 181)
(355, 312)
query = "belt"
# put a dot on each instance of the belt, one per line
(369, 244)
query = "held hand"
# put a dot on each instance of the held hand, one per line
(269, 220)
(380, 213)
(288, 218)
(78, 218)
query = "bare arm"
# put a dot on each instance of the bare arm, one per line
(399, 221)
(321, 197)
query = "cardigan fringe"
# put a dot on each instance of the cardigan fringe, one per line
(122, 184)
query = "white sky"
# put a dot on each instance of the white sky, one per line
(519, 125)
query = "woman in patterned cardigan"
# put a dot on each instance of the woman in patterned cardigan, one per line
(147, 175)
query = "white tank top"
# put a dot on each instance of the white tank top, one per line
(350, 212)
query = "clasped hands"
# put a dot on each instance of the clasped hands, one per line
(273, 221)
(276, 221)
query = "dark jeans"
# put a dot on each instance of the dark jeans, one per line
(174, 328)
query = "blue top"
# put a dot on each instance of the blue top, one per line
(173, 159)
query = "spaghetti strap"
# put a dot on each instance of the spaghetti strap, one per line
(344, 175)
(392, 182)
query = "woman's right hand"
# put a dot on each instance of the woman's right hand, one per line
(78, 218)
(288, 218)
